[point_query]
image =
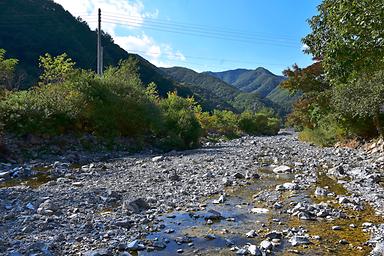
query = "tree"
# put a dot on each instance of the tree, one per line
(56, 69)
(7, 71)
(348, 36)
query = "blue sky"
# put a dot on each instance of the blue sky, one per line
(203, 35)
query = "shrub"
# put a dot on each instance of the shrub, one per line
(181, 128)
(330, 130)
(261, 123)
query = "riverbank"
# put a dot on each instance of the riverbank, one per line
(123, 203)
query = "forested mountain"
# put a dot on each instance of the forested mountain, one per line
(212, 88)
(260, 81)
(31, 28)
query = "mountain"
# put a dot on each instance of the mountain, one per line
(217, 91)
(260, 81)
(31, 28)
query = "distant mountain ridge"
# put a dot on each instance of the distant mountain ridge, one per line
(259, 80)
(215, 90)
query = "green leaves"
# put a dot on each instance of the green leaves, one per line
(7, 71)
(56, 69)
(347, 35)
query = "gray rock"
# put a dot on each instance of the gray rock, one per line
(266, 245)
(299, 240)
(282, 169)
(138, 205)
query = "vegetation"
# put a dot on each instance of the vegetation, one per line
(343, 92)
(68, 99)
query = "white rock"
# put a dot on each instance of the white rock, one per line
(259, 210)
(282, 169)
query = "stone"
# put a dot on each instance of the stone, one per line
(259, 210)
(47, 208)
(99, 252)
(266, 245)
(238, 175)
(344, 200)
(343, 241)
(135, 246)
(227, 182)
(321, 191)
(254, 250)
(138, 205)
(367, 225)
(5, 175)
(336, 228)
(274, 235)
(213, 215)
(251, 234)
(30, 206)
(299, 240)
(157, 158)
(220, 200)
(282, 169)
(287, 186)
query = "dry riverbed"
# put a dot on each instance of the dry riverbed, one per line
(250, 196)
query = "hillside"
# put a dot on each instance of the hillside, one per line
(260, 81)
(31, 28)
(215, 90)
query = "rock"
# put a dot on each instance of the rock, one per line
(343, 241)
(213, 215)
(157, 158)
(227, 182)
(47, 208)
(135, 246)
(266, 245)
(282, 169)
(277, 205)
(321, 191)
(220, 200)
(5, 175)
(99, 252)
(344, 200)
(30, 206)
(251, 234)
(252, 175)
(299, 240)
(378, 250)
(180, 250)
(254, 250)
(336, 228)
(259, 210)
(238, 175)
(124, 223)
(138, 205)
(367, 225)
(210, 236)
(287, 186)
(183, 240)
(274, 235)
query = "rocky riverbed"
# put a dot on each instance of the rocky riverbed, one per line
(250, 196)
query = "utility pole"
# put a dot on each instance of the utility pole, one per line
(99, 65)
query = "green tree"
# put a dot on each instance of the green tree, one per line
(7, 71)
(348, 36)
(56, 69)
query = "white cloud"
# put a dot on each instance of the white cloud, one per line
(118, 11)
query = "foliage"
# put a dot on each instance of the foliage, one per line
(7, 71)
(56, 69)
(262, 123)
(222, 122)
(328, 131)
(180, 123)
(347, 35)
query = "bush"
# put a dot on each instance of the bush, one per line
(181, 129)
(111, 106)
(261, 123)
(221, 122)
(330, 130)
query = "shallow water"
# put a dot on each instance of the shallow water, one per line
(238, 205)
